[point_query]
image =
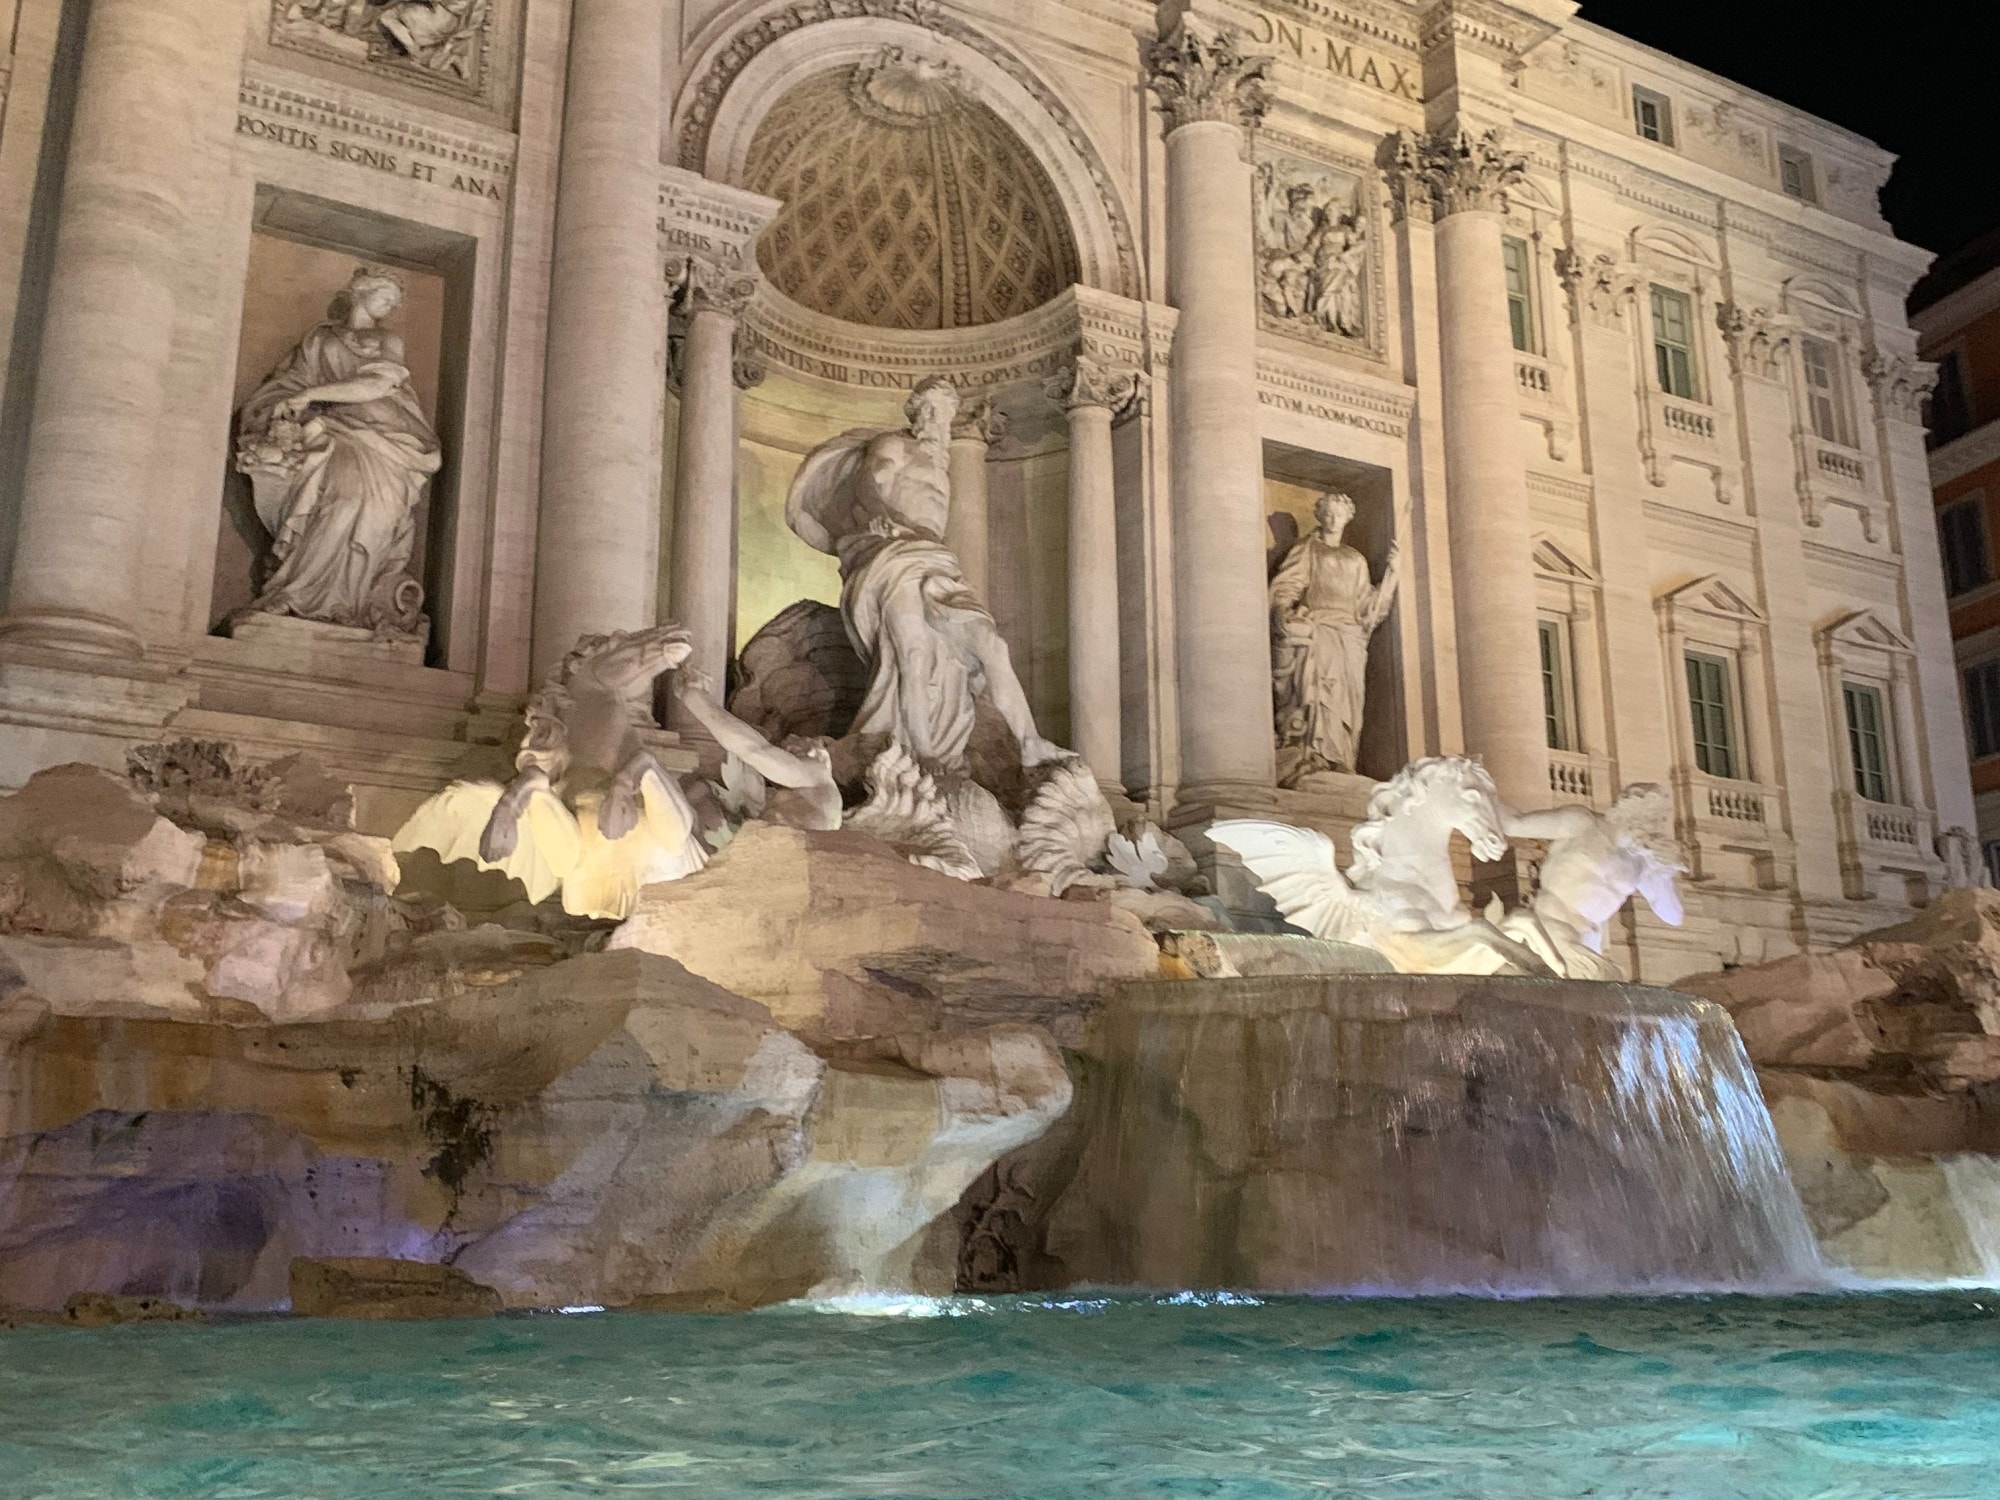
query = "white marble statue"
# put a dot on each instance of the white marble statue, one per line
(339, 453)
(1399, 895)
(1596, 862)
(877, 500)
(1325, 608)
(790, 784)
(591, 811)
(440, 37)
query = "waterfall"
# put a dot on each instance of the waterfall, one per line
(1974, 1181)
(1425, 1134)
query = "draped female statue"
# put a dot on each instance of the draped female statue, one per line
(338, 453)
(1324, 610)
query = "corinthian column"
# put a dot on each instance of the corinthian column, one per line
(978, 425)
(702, 578)
(1212, 97)
(596, 554)
(1093, 394)
(1462, 180)
(154, 73)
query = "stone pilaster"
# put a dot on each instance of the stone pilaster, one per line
(1212, 96)
(596, 552)
(136, 213)
(1094, 394)
(978, 425)
(702, 586)
(1460, 180)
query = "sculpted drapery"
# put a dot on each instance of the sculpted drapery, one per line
(338, 452)
(1324, 610)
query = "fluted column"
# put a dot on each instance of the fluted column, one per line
(1093, 394)
(596, 553)
(131, 220)
(978, 425)
(1462, 180)
(702, 572)
(1212, 97)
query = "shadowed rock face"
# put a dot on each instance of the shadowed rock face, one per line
(1409, 1134)
(603, 1130)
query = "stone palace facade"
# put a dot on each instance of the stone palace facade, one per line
(1607, 354)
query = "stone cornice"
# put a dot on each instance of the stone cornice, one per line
(1497, 31)
(1360, 20)
(311, 104)
(1310, 389)
(711, 220)
(1966, 454)
(1035, 346)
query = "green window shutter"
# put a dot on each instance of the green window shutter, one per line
(1520, 303)
(1710, 715)
(1866, 743)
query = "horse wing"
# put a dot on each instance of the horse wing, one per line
(1295, 868)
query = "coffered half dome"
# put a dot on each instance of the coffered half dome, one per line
(907, 202)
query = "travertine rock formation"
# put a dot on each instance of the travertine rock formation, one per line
(1881, 1063)
(840, 939)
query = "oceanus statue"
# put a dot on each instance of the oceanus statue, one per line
(591, 811)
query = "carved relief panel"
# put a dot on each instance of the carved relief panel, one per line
(436, 44)
(1316, 263)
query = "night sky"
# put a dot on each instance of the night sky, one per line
(1921, 77)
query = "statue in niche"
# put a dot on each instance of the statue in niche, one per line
(1595, 864)
(1312, 253)
(1324, 611)
(877, 500)
(339, 454)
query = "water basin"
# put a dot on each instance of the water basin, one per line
(1077, 1395)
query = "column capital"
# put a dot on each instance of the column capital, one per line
(697, 284)
(1205, 75)
(1901, 384)
(979, 420)
(748, 367)
(1090, 382)
(1444, 172)
(1756, 339)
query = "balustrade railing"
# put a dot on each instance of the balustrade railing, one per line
(1686, 422)
(1569, 776)
(1841, 466)
(1735, 806)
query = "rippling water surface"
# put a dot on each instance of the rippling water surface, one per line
(1873, 1397)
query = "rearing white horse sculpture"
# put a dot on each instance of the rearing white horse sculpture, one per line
(1400, 895)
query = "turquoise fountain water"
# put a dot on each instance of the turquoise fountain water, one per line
(1839, 1398)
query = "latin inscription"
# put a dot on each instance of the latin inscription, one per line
(371, 158)
(1342, 59)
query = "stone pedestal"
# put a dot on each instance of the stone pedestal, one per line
(284, 635)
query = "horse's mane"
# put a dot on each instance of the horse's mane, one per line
(1408, 788)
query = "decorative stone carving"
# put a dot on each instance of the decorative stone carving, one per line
(877, 499)
(1066, 826)
(801, 770)
(728, 60)
(1201, 77)
(979, 419)
(1089, 382)
(1756, 338)
(1598, 285)
(1399, 894)
(697, 284)
(908, 202)
(1312, 251)
(339, 454)
(1964, 866)
(441, 44)
(1901, 384)
(591, 811)
(906, 811)
(1324, 610)
(1596, 862)
(1452, 171)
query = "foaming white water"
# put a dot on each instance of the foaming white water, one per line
(1974, 1181)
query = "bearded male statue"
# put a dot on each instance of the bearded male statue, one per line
(877, 499)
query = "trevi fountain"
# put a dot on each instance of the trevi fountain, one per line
(970, 751)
